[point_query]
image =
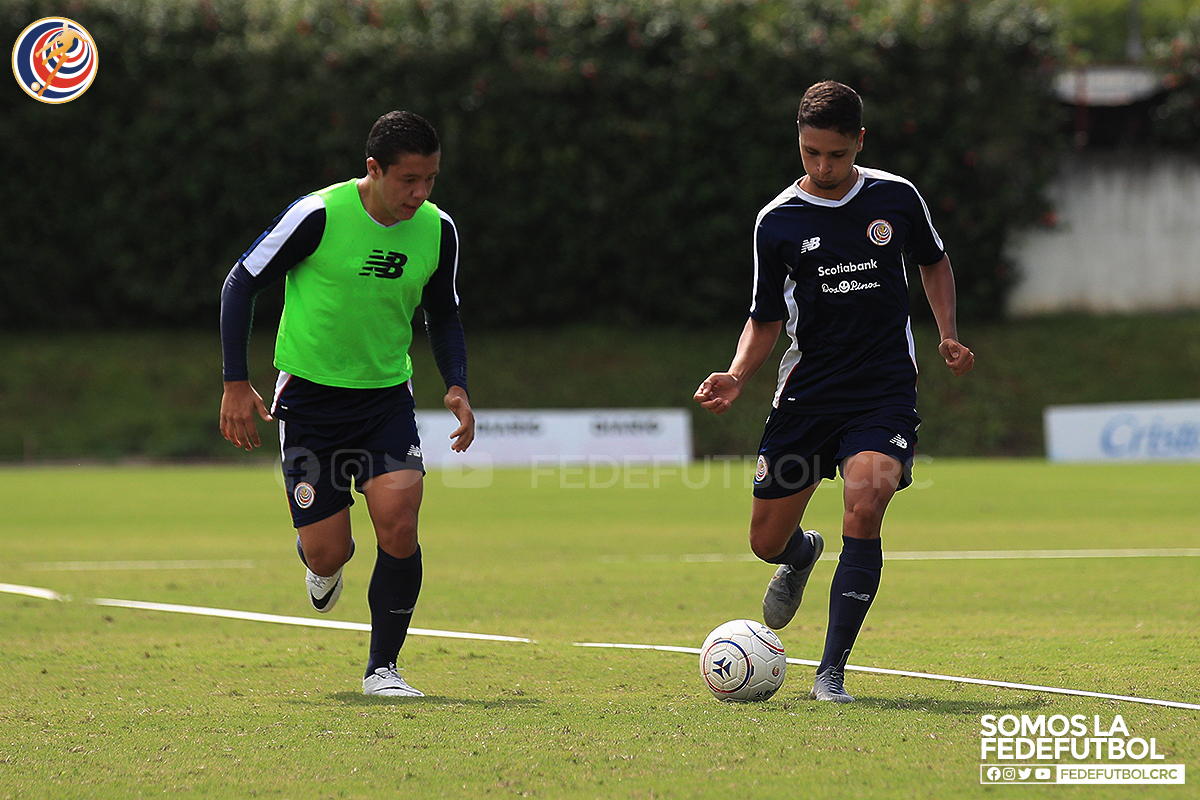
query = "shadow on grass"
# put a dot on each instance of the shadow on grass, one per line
(940, 705)
(360, 699)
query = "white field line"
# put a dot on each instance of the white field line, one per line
(926, 675)
(48, 594)
(929, 555)
(933, 555)
(31, 591)
(87, 566)
(982, 555)
(251, 616)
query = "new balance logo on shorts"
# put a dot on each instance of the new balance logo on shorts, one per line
(899, 441)
(384, 265)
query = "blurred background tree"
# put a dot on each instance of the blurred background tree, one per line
(603, 160)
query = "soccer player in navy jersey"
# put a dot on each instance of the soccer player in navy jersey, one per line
(357, 259)
(829, 263)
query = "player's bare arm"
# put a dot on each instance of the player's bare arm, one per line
(239, 403)
(460, 405)
(720, 389)
(938, 280)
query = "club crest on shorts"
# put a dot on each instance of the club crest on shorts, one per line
(304, 494)
(880, 232)
(760, 472)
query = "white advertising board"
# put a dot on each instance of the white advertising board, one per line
(543, 437)
(1165, 431)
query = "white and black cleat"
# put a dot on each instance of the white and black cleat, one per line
(323, 592)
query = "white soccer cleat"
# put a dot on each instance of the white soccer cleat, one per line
(323, 592)
(386, 682)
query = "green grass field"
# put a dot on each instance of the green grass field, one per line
(116, 702)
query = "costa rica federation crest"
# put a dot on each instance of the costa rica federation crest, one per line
(304, 494)
(880, 232)
(55, 60)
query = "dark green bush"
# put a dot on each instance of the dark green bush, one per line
(604, 160)
(1175, 120)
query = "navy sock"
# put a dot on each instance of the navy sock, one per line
(392, 597)
(798, 551)
(851, 593)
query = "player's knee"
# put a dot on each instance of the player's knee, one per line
(398, 535)
(766, 545)
(326, 558)
(863, 518)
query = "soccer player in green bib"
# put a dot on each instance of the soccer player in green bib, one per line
(357, 259)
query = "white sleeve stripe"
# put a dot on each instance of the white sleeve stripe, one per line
(780, 199)
(259, 256)
(887, 176)
(929, 221)
(454, 273)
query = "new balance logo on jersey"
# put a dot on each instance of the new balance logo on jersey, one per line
(808, 245)
(384, 265)
(899, 441)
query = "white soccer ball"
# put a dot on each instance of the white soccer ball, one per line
(742, 661)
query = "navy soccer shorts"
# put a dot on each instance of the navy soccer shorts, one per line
(322, 462)
(798, 450)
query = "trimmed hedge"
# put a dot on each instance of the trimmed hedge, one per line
(1175, 115)
(604, 161)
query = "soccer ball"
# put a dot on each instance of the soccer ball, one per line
(742, 661)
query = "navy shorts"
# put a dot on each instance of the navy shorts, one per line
(322, 462)
(798, 450)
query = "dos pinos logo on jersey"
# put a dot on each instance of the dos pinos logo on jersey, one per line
(55, 60)
(880, 232)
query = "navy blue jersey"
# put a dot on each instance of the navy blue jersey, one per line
(834, 270)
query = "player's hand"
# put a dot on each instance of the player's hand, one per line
(456, 400)
(959, 357)
(718, 392)
(239, 404)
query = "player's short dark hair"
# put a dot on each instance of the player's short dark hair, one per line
(830, 105)
(397, 133)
